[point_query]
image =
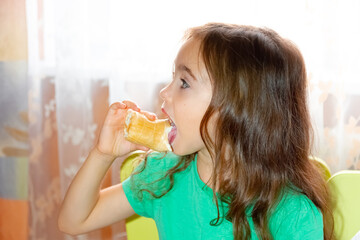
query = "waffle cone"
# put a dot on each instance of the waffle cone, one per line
(152, 134)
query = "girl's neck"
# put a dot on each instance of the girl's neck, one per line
(205, 167)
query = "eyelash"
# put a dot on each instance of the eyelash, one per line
(184, 84)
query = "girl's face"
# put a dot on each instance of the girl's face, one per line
(186, 99)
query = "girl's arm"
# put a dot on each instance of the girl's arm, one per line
(85, 206)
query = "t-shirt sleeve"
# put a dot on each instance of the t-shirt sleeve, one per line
(298, 218)
(143, 207)
(138, 187)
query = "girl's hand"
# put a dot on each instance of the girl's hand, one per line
(112, 141)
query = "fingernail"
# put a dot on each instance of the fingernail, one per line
(123, 105)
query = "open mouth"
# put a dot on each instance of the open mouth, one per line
(173, 131)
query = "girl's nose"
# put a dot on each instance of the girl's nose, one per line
(164, 93)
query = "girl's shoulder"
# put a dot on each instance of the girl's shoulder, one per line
(293, 198)
(159, 161)
(296, 214)
(151, 166)
(150, 178)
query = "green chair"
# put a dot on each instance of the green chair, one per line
(137, 227)
(322, 166)
(345, 187)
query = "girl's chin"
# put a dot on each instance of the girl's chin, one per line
(177, 150)
(180, 150)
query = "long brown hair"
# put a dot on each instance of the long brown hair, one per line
(260, 100)
(260, 94)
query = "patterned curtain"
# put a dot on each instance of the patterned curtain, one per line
(63, 62)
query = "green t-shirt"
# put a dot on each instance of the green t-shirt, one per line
(186, 210)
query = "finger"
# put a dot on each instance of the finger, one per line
(117, 105)
(122, 105)
(131, 105)
(151, 116)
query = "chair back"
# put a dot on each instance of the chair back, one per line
(137, 227)
(322, 166)
(345, 188)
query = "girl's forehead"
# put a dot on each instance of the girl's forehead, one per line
(189, 51)
(189, 58)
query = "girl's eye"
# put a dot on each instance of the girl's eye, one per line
(184, 84)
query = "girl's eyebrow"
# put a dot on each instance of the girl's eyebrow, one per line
(182, 67)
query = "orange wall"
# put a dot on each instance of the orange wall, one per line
(13, 35)
(13, 219)
(13, 47)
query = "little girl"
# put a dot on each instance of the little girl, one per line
(240, 165)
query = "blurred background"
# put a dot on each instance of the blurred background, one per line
(62, 62)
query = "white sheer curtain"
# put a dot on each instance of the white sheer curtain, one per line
(86, 54)
(327, 33)
(69, 70)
